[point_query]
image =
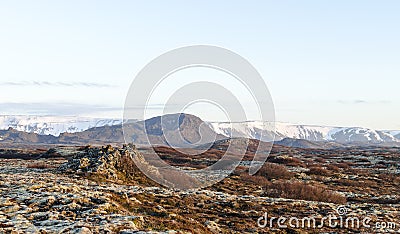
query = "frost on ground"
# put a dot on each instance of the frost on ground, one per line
(56, 195)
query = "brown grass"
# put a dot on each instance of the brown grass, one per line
(274, 171)
(288, 161)
(317, 170)
(333, 168)
(320, 160)
(39, 165)
(303, 191)
(389, 177)
(254, 179)
(344, 165)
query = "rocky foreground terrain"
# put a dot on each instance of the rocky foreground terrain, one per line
(97, 190)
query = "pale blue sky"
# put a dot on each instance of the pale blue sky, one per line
(325, 62)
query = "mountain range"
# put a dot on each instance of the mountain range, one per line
(341, 135)
(183, 130)
(53, 125)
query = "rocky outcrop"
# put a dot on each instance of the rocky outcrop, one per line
(106, 162)
(120, 165)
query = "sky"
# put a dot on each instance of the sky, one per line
(333, 63)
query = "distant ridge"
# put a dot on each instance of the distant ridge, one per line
(53, 125)
(342, 135)
(76, 130)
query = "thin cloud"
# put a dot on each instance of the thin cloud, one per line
(158, 106)
(357, 101)
(65, 108)
(57, 84)
(361, 101)
(39, 108)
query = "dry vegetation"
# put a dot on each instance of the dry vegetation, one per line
(304, 191)
(40, 165)
(322, 179)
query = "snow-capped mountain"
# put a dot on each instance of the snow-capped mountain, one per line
(53, 125)
(253, 129)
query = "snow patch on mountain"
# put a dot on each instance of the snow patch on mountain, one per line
(252, 129)
(396, 134)
(53, 125)
(306, 132)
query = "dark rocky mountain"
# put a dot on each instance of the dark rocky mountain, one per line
(13, 136)
(178, 130)
(101, 135)
(181, 130)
